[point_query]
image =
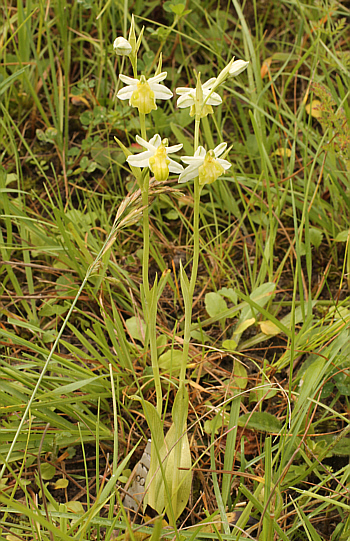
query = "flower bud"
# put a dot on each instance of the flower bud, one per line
(237, 67)
(122, 47)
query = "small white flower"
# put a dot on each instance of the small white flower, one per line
(205, 165)
(188, 97)
(122, 47)
(143, 93)
(237, 67)
(156, 157)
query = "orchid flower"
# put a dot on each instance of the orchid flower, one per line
(188, 98)
(156, 157)
(205, 165)
(143, 93)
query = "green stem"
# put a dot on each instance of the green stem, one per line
(143, 126)
(196, 133)
(150, 296)
(189, 301)
(145, 217)
(151, 324)
(145, 220)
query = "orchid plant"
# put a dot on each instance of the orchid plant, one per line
(169, 477)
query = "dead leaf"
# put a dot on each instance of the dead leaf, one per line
(269, 328)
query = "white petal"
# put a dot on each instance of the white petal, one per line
(155, 141)
(174, 148)
(189, 173)
(214, 99)
(185, 101)
(220, 149)
(128, 80)
(192, 160)
(126, 92)
(200, 152)
(140, 160)
(184, 90)
(199, 156)
(145, 144)
(161, 92)
(209, 83)
(157, 78)
(175, 167)
(224, 163)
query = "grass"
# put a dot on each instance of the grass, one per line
(269, 356)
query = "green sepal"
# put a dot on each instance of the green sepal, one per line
(136, 171)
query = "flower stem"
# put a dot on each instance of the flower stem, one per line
(189, 301)
(145, 223)
(145, 217)
(143, 126)
(149, 296)
(196, 133)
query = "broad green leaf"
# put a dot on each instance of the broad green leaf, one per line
(179, 491)
(180, 407)
(316, 236)
(136, 170)
(342, 448)
(156, 427)
(49, 310)
(260, 420)
(185, 285)
(174, 454)
(162, 341)
(266, 392)
(309, 381)
(229, 293)
(136, 328)
(200, 337)
(217, 422)
(342, 236)
(47, 471)
(75, 507)
(170, 361)
(230, 345)
(240, 376)
(342, 381)
(260, 296)
(215, 305)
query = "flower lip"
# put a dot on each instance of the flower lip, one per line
(199, 159)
